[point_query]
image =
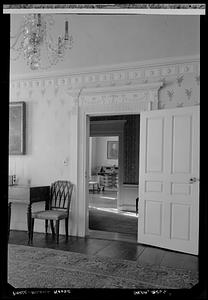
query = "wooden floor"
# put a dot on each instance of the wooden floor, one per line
(111, 248)
(107, 200)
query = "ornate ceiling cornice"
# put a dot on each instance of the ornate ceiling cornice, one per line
(112, 75)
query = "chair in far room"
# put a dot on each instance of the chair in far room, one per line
(59, 205)
(94, 183)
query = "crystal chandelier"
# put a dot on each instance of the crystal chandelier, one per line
(35, 42)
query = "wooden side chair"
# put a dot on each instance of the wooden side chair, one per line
(59, 204)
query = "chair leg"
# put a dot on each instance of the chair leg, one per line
(46, 226)
(66, 228)
(52, 228)
(32, 229)
(57, 231)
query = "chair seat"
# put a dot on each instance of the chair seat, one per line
(50, 214)
(93, 182)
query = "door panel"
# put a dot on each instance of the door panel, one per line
(180, 221)
(153, 186)
(154, 153)
(152, 217)
(169, 158)
(181, 146)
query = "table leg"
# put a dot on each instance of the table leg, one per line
(29, 213)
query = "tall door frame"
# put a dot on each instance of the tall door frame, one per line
(105, 101)
(118, 133)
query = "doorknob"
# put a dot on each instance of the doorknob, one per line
(193, 179)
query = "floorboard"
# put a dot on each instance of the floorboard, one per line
(152, 256)
(116, 249)
(121, 250)
(180, 260)
(116, 236)
(87, 246)
(106, 221)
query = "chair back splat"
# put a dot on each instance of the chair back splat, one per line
(57, 209)
(61, 195)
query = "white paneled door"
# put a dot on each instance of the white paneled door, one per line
(169, 179)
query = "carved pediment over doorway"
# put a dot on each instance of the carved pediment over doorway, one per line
(142, 96)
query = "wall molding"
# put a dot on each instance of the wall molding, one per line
(111, 75)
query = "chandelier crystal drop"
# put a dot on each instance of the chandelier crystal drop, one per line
(34, 40)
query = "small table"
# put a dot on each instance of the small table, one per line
(94, 185)
(27, 194)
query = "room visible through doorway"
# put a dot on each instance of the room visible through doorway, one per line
(109, 218)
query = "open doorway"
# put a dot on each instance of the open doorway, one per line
(113, 177)
(103, 171)
(103, 180)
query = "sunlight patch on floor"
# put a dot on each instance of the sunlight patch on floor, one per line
(109, 198)
(116, 211)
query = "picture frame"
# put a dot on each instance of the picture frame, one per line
(17, 122)
(112, 149)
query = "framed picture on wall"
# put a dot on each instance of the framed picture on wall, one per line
(17, 128)
(112, 149)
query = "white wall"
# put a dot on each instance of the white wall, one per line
(50, 140)
(104, 40)
(99, 149)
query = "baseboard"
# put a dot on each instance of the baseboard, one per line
(128, 207)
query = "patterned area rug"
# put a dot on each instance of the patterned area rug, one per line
(113, 222)
(32, 267)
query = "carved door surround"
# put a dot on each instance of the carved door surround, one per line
(114, 100)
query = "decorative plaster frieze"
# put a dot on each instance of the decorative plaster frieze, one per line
(147, 93)
(122, 88)
(186, 68)
(116, 107)
(169, 70)
(110, 99)
(114, 75)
